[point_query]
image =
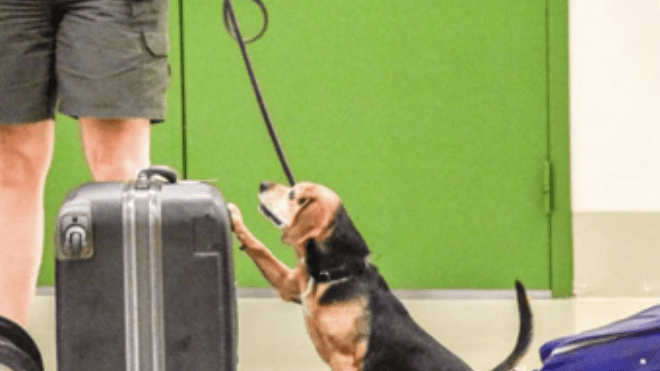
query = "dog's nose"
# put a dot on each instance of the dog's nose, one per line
(264, 186)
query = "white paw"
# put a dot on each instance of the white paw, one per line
(236, 216)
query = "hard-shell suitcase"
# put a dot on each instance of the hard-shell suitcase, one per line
(144, 277)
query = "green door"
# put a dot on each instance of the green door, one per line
(69, 168)
(429, 119)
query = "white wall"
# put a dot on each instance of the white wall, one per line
(615, 145)
(615, 104)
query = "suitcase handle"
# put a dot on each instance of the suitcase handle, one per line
(165, 172)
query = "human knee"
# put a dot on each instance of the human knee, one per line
(25, 154)
(116, 149)
(22, 169)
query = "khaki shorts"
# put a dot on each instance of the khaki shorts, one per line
(94, 58)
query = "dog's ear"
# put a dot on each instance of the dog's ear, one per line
(312, 221)
(344, 238)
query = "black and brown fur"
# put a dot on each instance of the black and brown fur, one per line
(354, 320)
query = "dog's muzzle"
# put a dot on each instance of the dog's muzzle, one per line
(274, 204)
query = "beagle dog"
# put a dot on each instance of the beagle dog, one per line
(352, 317)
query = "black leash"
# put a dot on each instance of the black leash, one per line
(231, 23)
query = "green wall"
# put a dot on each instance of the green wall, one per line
(433, 120)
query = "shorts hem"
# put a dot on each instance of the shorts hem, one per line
(155, 115)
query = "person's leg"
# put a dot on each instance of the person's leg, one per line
(25, 155)
(112, 75)
(116, 149)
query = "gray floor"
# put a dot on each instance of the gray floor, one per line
(272, 335)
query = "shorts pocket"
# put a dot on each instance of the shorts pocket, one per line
(157, 43)
(151, 18)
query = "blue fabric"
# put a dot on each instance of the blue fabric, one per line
(632, 344)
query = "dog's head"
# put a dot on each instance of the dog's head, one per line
(313, 220)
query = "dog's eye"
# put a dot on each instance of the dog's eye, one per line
(302, 201)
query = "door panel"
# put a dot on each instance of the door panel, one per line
(428, 118)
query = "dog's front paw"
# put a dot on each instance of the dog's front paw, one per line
(236, 216)
(238, 227)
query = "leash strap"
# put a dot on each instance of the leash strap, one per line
(231, 23)
(232, 27)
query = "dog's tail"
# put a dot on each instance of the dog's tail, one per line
(524, 333)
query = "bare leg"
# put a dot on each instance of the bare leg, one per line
(25, 155)
(116, 149)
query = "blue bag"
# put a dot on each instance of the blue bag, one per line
(631, 344)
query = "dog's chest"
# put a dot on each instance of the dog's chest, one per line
(338, 329)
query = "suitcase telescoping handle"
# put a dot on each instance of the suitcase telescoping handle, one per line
(165, 172)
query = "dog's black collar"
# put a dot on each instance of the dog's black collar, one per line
(328, 276)
(344, 272)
